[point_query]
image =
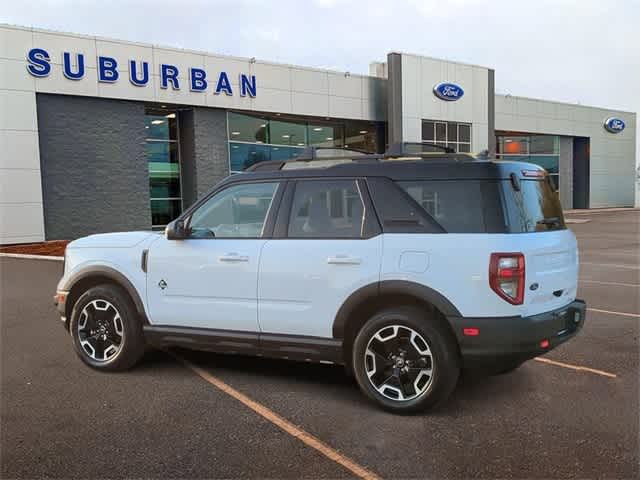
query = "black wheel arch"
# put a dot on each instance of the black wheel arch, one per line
(93, 275)
(369, 299)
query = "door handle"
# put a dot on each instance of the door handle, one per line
(233, 258)
(344, 260)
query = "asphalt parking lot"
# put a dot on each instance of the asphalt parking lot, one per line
(545, 420)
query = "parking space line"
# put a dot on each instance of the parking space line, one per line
(612, 265)
(281, 422)
(617, 284)
(624, 314)
(575, 367)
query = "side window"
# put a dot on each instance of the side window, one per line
(237, 212)
(326, 209)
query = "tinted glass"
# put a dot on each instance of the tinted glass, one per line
(164, 211)
(160, 127)
(245, 128)
(326, 135)
(236, 212)
(427, 131)
(458, 206)
(288, 133)
(441, 132)
(535, 208)
(361, 136)
(464, 133)
(326, 209)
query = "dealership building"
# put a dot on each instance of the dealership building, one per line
(106, 135)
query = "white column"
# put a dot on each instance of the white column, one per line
(21, 215)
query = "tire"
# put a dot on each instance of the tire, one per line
(105, 329)
(428, 370)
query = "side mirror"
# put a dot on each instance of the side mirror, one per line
(176, 230)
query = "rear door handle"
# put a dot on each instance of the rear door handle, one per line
(344, 260)
(233, 258)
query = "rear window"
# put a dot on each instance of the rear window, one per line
(488, 206)
(535, 208)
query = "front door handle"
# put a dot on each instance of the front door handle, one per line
(344, 260)
(233, 258)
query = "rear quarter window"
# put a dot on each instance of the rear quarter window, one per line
(459, 206)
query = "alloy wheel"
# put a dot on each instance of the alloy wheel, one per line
(399, 363)
(100, 330)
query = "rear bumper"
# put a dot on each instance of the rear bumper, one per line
(506, 340)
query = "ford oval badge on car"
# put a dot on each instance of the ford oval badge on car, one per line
(448, 91)
(614, 125)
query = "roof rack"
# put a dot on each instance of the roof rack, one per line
(403, 149)
(330, 156)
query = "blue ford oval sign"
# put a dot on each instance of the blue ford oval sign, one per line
(614, 125)
(448, 91)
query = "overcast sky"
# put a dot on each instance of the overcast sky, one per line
(585, 51)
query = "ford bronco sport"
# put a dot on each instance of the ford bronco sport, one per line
(405, 267)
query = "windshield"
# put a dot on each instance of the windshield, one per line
(534, 208)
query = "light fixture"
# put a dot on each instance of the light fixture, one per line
(317, 129)
(363, 131)
(234, 146)
(286, 136)
(146, 126)
(276, 148)
(259, 141)
(253, 153)
(171, 115)
(163, 106)
(329, 138)
(235, 133)
(263, 125)
(157, 122)
(301, 144)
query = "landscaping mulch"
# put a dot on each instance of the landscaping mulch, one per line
(50, 249)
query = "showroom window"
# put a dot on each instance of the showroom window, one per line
(259, 138)
(163, 157)
(543, 150)
(448, 134)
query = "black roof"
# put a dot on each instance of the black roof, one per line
(396, 164)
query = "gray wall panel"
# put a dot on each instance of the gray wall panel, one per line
(94, 169)
(211, 151)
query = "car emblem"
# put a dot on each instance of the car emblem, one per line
(533, 286)
(162, 284)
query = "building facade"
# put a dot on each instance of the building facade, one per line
(103, 135)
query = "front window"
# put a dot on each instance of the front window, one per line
(238, 211)
(326, 209)
(163, 158)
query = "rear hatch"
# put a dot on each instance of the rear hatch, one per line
(532, 211)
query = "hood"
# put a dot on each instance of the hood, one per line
(112, 240)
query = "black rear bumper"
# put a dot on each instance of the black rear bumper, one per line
(508, 340)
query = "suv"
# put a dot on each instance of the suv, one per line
(404, 267)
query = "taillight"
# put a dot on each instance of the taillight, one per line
(506, 276)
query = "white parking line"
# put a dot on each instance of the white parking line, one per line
(282, 423)
(624, 314)
(575, 367)
(616, 284)
(612, 265)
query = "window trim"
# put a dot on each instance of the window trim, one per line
(270, 218)
(370, 226)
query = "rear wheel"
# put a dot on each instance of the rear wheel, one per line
(404, 361)
(105, 329)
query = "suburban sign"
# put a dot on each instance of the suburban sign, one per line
(448, 91)
(614, 125)
(109, 71)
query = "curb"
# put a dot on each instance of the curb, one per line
(31, 257)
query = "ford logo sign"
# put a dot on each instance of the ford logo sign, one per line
(448, 91)
(614, 125)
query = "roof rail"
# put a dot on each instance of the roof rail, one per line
(313, 153)
(402, 149)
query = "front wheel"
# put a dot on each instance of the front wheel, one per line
(405, 361)
(105, 329)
